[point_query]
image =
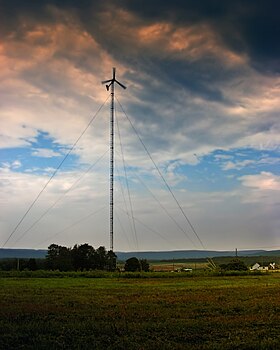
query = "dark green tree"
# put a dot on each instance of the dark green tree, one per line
(234, 265)
(145, 266)
(83, 257)
(100, 258)
(52, 257)
(132, 265)
(111, 261)
(32, 265)
(65, 259)
(59, 258)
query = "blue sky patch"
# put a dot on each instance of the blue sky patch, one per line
(220, 170)
(43, 155)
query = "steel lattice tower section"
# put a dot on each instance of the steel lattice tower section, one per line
(110, 85)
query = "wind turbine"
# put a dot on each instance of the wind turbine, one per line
(111, 84)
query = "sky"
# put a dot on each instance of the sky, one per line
(203, 84)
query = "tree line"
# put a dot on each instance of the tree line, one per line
(80, 258)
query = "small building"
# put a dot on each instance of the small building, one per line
(255, 267)
(185, 269)
(265, 267)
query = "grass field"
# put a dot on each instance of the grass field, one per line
(200, 312)
(165, 266)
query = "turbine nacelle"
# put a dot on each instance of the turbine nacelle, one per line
(112, 81)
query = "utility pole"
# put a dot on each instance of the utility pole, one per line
(110, 85)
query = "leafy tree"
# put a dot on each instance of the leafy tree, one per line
(64, 259)
(100, 258)
(234, 265)
(52, 257)
(59, 258)
(111, 261)
(145, 266)
(83, 257)
(132, 265)
(31, 264)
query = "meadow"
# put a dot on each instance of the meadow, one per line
(170, 311)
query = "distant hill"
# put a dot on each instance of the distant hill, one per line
(22, 253)
(149, 255)
(192, 254)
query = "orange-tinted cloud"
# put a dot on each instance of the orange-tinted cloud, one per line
(189, 42)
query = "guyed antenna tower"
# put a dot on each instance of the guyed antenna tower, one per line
(110, 85)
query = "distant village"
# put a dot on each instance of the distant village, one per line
(264, 267)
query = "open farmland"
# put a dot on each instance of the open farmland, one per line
(199, 312)
(175, 266)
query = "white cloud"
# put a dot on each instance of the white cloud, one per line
(14, 165)
(214, 214)
(262, 189)
(237, 165)
(221, 157)
(45, 153)
(262, 181)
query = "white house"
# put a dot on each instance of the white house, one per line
(257, 266)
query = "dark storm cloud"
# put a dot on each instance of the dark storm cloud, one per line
(196, 77)
(252, 27)
(17, 16)
(246, 27)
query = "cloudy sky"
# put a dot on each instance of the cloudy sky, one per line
(202, 94)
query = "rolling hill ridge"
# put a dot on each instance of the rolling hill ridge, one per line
(149, 255)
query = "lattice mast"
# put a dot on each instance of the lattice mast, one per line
(110, 85)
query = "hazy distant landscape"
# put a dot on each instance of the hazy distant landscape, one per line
(149, 255)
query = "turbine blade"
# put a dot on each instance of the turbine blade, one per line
(124, 87)
(114, 73)
(106, 81)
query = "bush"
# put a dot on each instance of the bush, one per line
(234, 265)
(132, 265)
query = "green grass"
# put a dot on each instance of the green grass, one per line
(202, 312)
